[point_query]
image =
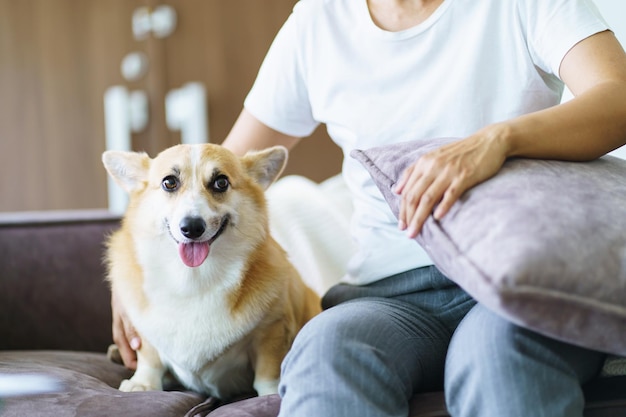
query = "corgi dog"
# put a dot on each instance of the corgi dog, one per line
(214, 298)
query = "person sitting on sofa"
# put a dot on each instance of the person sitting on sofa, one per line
(384, 71)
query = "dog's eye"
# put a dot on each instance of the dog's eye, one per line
(220, 184)
(170, 183)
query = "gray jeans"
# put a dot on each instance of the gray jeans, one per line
(374, 346)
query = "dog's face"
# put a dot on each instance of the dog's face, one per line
(195, 199)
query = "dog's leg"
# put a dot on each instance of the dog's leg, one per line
(150, 371)
(271, 347)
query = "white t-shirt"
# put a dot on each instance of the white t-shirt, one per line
(470, 64)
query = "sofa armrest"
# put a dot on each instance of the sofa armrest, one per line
(52, 289)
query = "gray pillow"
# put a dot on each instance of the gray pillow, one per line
(543, 243)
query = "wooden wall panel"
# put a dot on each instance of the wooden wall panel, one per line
(55, 64)
(58, 57)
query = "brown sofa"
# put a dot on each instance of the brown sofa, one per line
(55, 320)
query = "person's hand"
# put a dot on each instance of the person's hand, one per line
(124, 334)
(440, 177)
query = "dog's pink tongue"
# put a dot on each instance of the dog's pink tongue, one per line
(194, 253)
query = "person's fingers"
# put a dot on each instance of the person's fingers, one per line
(399, 186)
(436, 181)
(127, 354)
(428, 199)
(124, 335)
(132, 336)
(412, 193)
(421, 188)
(452, 194)
(398, 189)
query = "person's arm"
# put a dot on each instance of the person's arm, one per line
(584, 128)
(591, 124)
(125, 336)
(248, 133)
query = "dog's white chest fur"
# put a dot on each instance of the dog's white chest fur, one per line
(189, 321)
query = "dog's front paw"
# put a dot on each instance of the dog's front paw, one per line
(129, 385)
(265, 387)
(114, 355)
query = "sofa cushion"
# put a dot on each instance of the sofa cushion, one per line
(543, 243)
(53, 294)
(88, 387)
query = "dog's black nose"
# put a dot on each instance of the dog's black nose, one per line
(192, 227)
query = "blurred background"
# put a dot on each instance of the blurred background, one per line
(78, 76)
(59, 59)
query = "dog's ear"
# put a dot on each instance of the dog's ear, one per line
(128, 169)
(265, 166)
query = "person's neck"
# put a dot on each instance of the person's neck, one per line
(397, 15)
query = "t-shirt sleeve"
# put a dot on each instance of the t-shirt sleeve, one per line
(553, 27)
(279, 96)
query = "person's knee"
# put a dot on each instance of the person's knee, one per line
(480, 340)
(472, 348)
(481, 363)
(379, 339)
(487, 343)
(496, 368)
(487, 347)
(323, 350)
(325, 336)
(339, 354)
(358, 344)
